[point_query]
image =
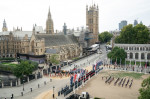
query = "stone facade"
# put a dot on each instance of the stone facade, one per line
(39, 43)
(92, 21)
(136, 52)
(65, 46)
(9, 45)
(49, 24)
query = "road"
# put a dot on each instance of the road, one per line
(88, 60)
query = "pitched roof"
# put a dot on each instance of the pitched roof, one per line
(56, 40)
(52, 51)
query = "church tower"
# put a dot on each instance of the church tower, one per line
(65, 29)
(92, 22)
(4, 26)
(49, 24)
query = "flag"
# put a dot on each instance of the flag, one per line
(146, 65)
(78, 76)
(95, 66)
(75, 77)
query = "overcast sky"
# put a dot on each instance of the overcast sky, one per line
(25, 13)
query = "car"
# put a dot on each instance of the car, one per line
(85, 95)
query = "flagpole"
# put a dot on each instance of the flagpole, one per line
(120, 64)
(130, 63)
(135, 66)
(140, 65)
(125, 65)
(145, 66)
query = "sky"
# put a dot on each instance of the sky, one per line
(25, 13)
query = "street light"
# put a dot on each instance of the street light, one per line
(23, 83)
(53, 92)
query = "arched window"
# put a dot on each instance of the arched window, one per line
(131, 55)
(140, 48)
(142, 56)
(135, 48)
(148, 56)
(136, 55)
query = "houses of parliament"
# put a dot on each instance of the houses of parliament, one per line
(39, 43)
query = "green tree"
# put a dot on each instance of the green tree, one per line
(24, 68)
(105, 37)
(118, 39)
(127, 34)
(54, 59)
(142, 34)
(117, 54)
(145, 90)
(134, 35)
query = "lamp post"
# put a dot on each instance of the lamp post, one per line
(0, 80)
(53, 92)
(23, 82)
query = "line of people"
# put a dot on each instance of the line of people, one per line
(119, 81)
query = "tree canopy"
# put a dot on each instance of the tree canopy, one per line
(24, 68)
(145, 90)
(54, 59)
(134, 35)
(117, 54)
(105, 37)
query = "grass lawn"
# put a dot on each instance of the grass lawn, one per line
(10, 64)
(127, 74)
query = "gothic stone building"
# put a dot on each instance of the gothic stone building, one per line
(37, 43)
(65, 46)
(9, 45)
(92, 21)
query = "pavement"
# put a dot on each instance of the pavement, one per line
(16, 91)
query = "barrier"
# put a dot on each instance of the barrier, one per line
(66, 90)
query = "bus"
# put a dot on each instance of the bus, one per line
(94, 48)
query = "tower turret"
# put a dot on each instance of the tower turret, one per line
(49, 24)
(92, 21)
(33, 30)
(65, 29)
(4, 26)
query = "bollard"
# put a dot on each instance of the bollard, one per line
(38, 86)
(50, 80)
(31, 89)
(44, 82)
(21, 93)
(12, 96)
(53, 96)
